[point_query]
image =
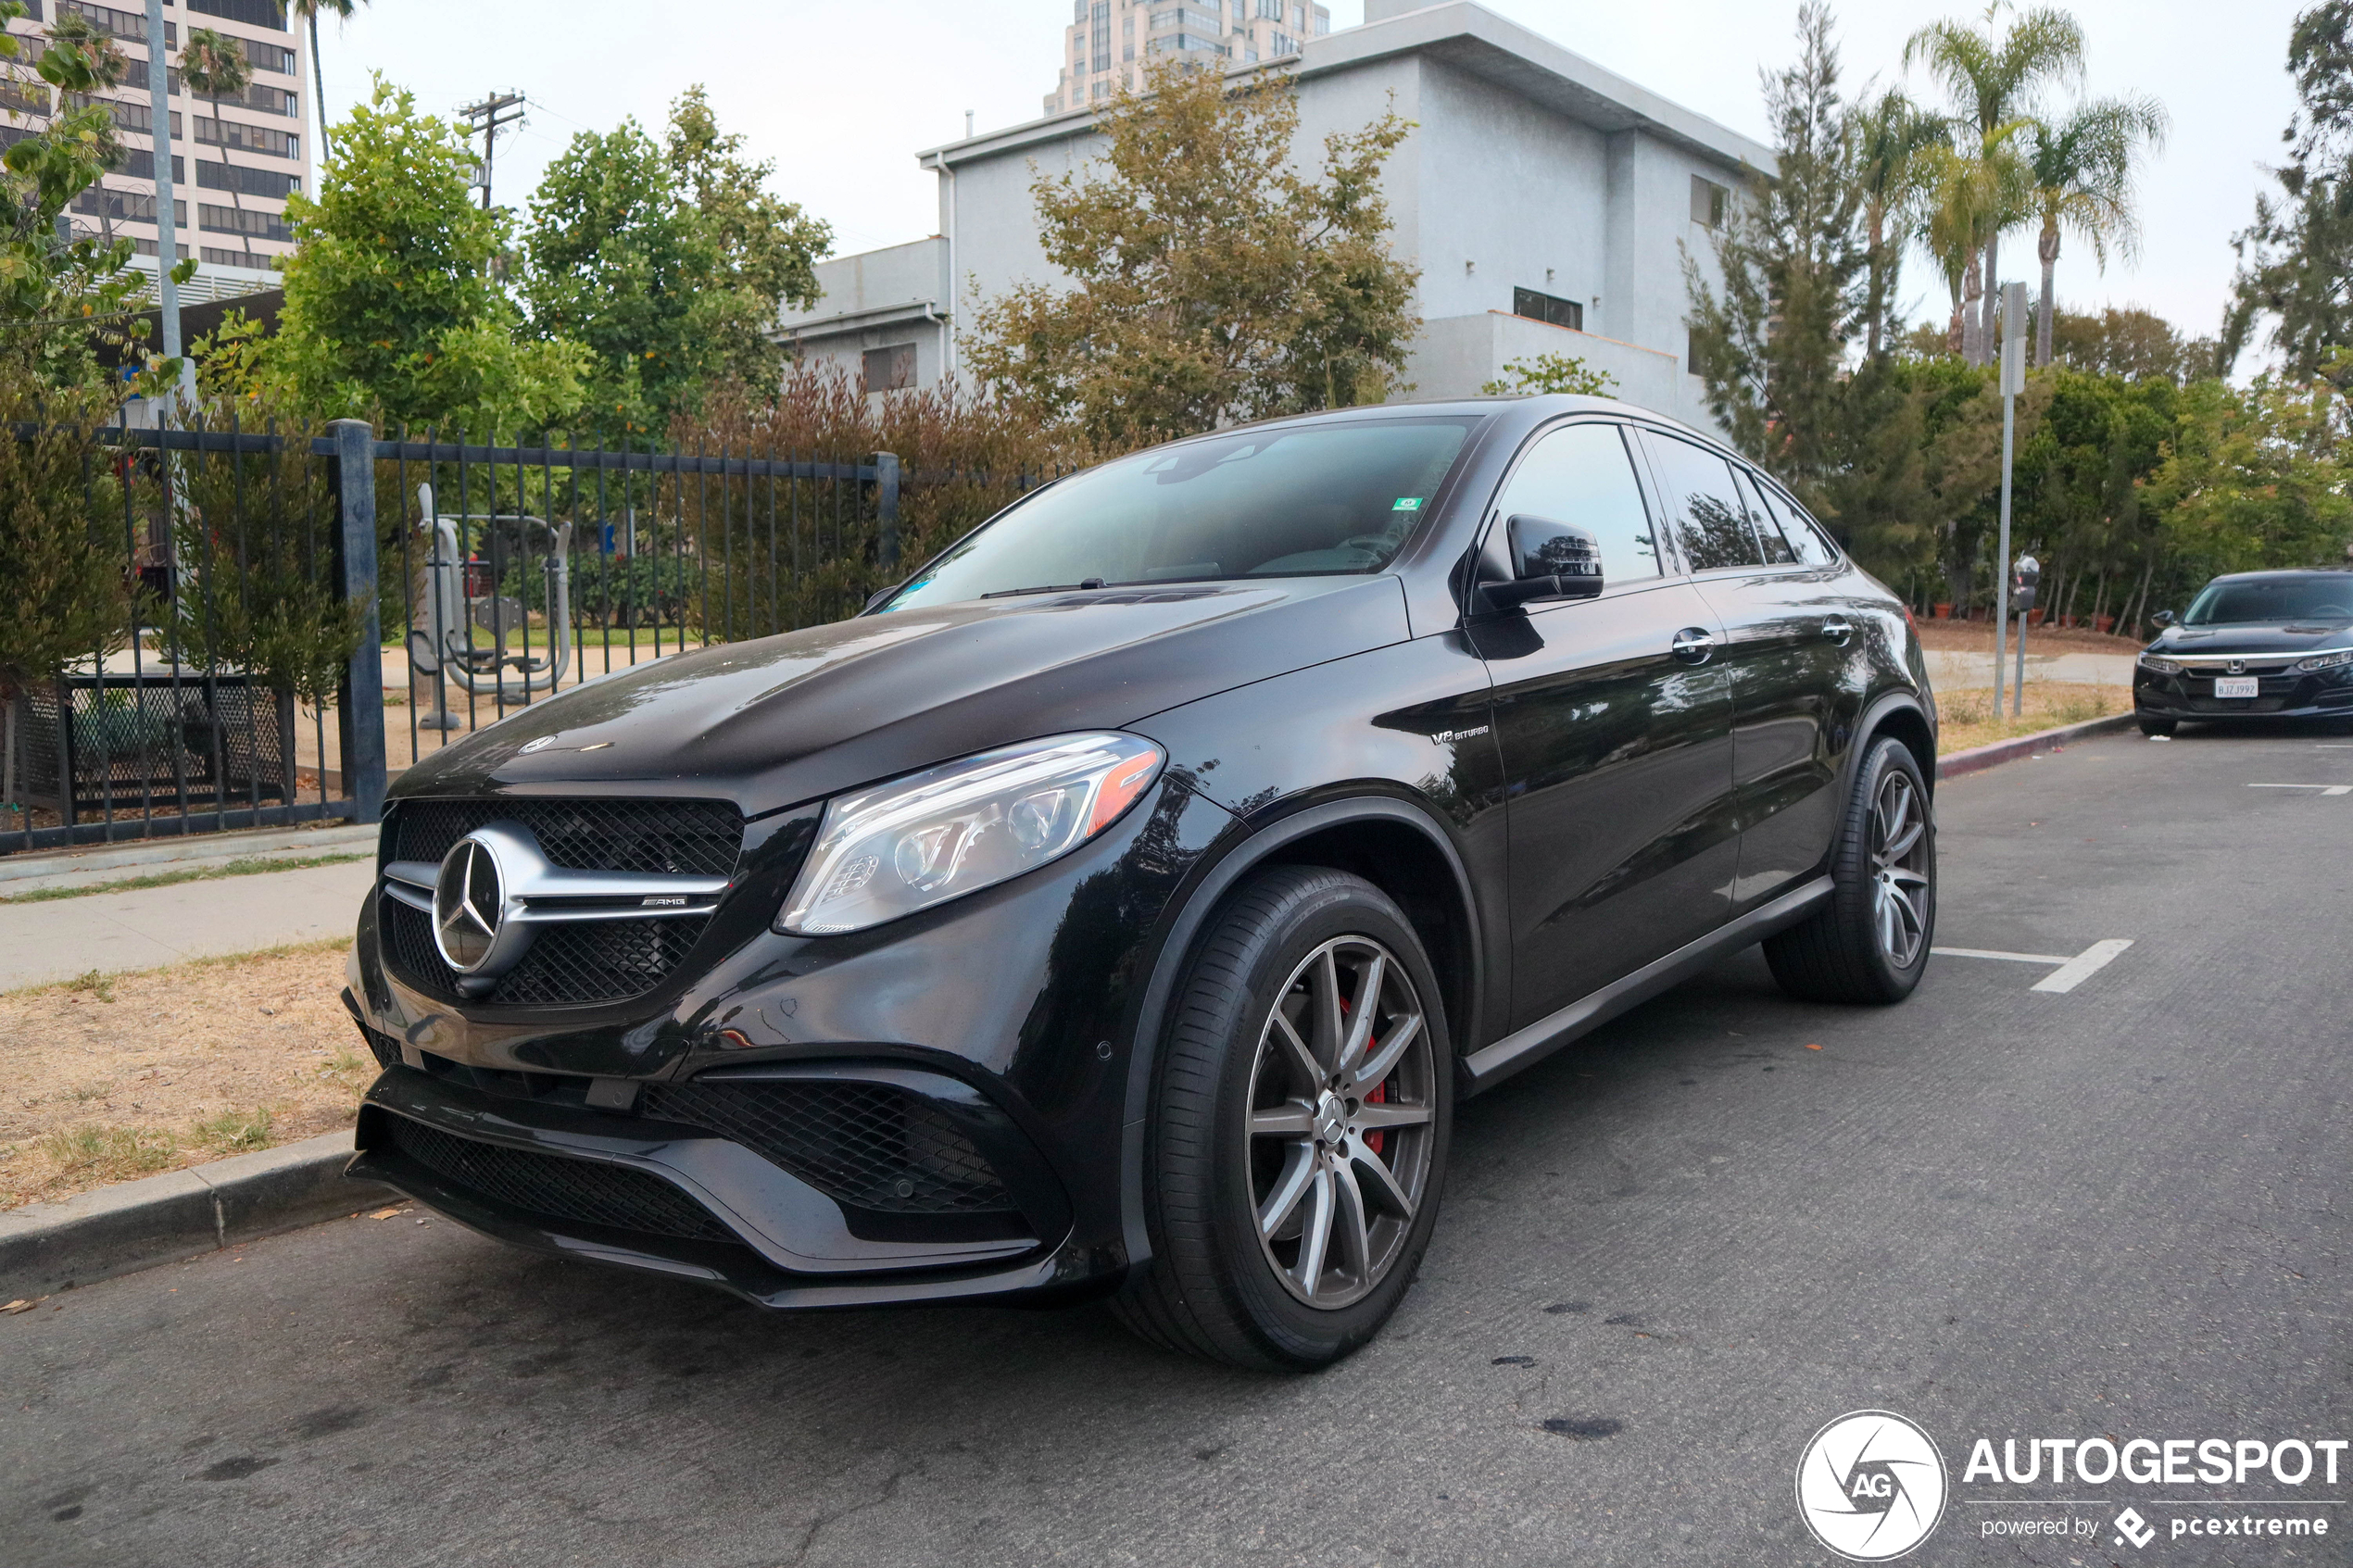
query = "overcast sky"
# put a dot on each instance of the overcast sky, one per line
(842, 94)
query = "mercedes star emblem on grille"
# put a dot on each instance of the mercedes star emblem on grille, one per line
(469, 905)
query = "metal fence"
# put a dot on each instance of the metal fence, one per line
(470, 579)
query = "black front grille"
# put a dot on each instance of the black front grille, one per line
(587, 962)
(383, 1046)
(582, 1191)
(572, 965)
(676, 838)
(868, 1145)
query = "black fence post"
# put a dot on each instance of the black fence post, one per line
(362, 702)
(886, 509)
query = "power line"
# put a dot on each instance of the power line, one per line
(490, 116)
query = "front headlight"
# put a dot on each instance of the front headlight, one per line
(2157, 666)
(955, 829)
(2327, 660)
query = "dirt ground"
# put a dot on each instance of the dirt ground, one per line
(109, 1079)
(1977, 636)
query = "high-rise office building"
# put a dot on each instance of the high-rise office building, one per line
(1109, 42)
(231, 167)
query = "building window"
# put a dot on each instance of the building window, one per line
(246, 180)
(230, 220)
(255, 12)
(124, 206)
(119, 24)
(891, 368)
(1710, 202)
(216, 257)
(1271, 9)
(243, 137)
(1548, 308)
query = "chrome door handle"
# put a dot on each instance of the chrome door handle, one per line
(1694, 644)
(1838, 629)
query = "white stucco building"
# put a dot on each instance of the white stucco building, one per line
(1547, 202)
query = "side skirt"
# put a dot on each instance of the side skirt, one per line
(1524, 1047)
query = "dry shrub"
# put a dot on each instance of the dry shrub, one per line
(961, 459)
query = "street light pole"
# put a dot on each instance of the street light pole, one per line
(2013, 383)
(167, 206)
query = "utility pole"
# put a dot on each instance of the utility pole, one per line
(2013, 383)
(490, 116)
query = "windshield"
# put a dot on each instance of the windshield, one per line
(1288, 502)
(2273, 601)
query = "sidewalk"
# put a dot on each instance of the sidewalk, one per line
(115, 931)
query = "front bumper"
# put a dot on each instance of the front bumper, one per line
(1006, 1019)
(2284, 696)
(536, 1166)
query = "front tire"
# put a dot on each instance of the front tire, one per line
(1871, 943)
(1300, 1128)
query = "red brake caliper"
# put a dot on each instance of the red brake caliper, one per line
(1375, 1139)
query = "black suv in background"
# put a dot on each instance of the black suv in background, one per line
(2267, 644)
(1120, 906)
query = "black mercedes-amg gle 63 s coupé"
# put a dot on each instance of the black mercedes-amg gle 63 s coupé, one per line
(1120, 906)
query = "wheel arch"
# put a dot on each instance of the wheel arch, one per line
(1899, 714)
(1393, 843)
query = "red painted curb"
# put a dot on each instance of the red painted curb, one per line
(1980, 757)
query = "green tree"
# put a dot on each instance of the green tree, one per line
(1211, 279)
(61, 572)
(2296, 260)
(1770, 341)
(2082, 168)
(1552, 372)
(2131, 342)
(214, 66)
(1992, 82)
(1893, 137)
(59, 296)
(764, 250)
(615, 263)
(393, 310)
(2252, 478)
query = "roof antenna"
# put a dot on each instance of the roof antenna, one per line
(968, 125)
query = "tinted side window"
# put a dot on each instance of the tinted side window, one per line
(1804, 535)
(1769, 531)
(1709, 519)
(1581, 475)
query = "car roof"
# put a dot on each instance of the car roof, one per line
(2282, 574)
(1533, 408)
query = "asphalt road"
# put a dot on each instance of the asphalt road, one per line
(1687, 1242)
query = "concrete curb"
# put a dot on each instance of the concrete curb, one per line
(1977, 758)
(121, 1229)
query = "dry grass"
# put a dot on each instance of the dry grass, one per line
(111, 1077)
(1970, 720)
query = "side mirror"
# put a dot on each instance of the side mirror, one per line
(1550, 561)
(2162, 617)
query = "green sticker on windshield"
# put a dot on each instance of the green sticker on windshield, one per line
(1407, 504)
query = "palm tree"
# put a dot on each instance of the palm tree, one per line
(1891, 136)
(309, 11)
(1968, 194)
(2082, 170)
(214, 67)
(1994, 80)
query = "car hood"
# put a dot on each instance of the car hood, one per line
(2295, 636)
(789, 719)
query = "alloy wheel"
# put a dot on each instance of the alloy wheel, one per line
(1900, 890)
(1342, 1105)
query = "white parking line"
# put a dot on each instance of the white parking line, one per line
(2325, 789)
(2069, 972)
(2007, 958)
(2083, 965)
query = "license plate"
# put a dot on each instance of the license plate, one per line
(2236, 685)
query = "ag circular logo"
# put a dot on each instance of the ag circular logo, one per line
(1871, 1485)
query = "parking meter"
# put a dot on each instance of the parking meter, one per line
(2024, 578)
